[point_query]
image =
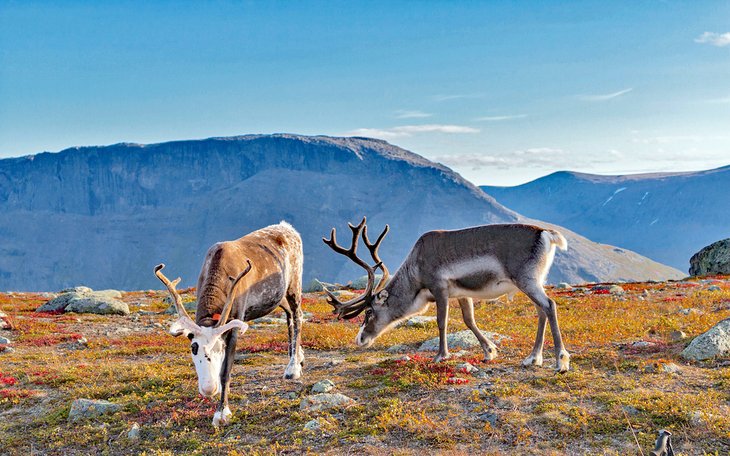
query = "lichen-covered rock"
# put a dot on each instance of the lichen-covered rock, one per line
(419, 321)
(715, 342)
(85, 300)
(325, 401)
(88, 408)
(323, 386)
(711, 260)
(462, 339)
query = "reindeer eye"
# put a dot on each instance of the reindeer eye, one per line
(368, 315)
(194, 348)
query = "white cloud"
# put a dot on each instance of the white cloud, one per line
(500, 118)
(604, 97)
(714, 39)
(536, 157)
(410, 130)
(721, 100)
(406, 114)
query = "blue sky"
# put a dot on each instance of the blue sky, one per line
(502, 92)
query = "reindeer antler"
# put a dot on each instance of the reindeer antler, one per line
(373, 248)
(352, 308)
(176, 298)
(229, 299)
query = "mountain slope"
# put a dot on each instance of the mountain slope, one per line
(104, 216)
(666, 217)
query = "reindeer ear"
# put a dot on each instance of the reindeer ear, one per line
(242, 326)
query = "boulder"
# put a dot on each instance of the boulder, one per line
(715, 342)
(85, 300)
(325, 401)
(418, 321)
(711, 260)
(87, 408)
(462, 339)
(399, 348)
(323, 386)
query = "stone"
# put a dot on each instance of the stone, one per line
(713, 288)
(713, 343)
(270, 321)
(134, 432)
(643, 344)
(361, 282)
(711, 260)
(190, 307)
(676, 336)
(466, 367)
(418, 321)
(689, 311)
(313, 425)
(325, 401)
(6, 349)
(615, 289)
(85, 300)
(87, 408)
(5, 341)
(323, 386)
(463, 339)
(563, 286)
(399, 348)
(671, 368)
(490, 418)
(401, 359)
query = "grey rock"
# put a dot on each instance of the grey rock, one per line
(671, 368)
(714, 288)
(419, 321)
(313, 425)
(361, 282)
(631, 411)
(323, 386)
(463, 339)
(190, 307)
(270, 321)
(643, 344)
(563, 286)
(690, 310)
(79, 289)
(711, 260)
(5, 341)
(134, 432)
(713, 343)
(98, 305)
(481, 374)
(401, 358)
(6, 349)
(677, 336)
(334, 362)
(487, 417)
(399, 348)
(615, 289)
(87, 408)
(325, 401)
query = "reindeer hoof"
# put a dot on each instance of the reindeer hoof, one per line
(222, 418)
(563, 364)
(293, 371)
(441, 357)
(532, 361)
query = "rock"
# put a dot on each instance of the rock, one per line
(462, 339)
(402, 358)
(325, 401)
(630, 410)
(643, 344)
(697, 418)
(98, 305)
(190, 306)
(5, 341)
(715, 342)
(481, 374)
(418, 321)
(334, 362)
(399, 348)
(563, 286)
(134, 432)
(6, 349)
(466, 367)
(85, 300)
(88, 408)
(713, 288)
(615, 289)
(676, 336)
(323, 386)
(313, 425)
(711, 260)
(671, 368)
(362, 282)
(5, 324)
(689, 311)
(490, 418)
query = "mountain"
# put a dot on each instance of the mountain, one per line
(666, 217)
(104, 216)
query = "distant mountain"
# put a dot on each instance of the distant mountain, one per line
(104, 216)
(666, 217)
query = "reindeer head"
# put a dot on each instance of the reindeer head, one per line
(373, 301)
(207, 345)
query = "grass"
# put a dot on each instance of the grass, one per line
(614, 388)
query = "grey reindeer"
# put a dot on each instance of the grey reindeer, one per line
(479, 262)
(267, 266)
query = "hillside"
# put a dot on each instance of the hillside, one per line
(666, 217)
(104, 216)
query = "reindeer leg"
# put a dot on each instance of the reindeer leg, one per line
(296, 353)
(537, 294)
(223, 413)
(535, 358)
(442, 317)
(467, 312)
(289, 323)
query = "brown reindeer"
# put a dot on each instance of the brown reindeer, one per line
(267, 266)
(480, 262)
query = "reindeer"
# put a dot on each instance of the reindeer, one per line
(267, 266)
(479, 262)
